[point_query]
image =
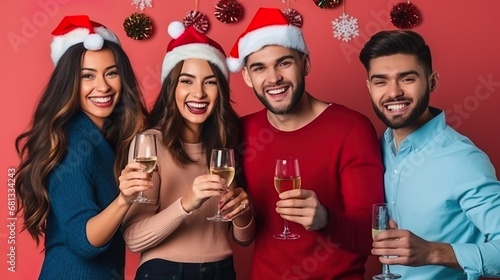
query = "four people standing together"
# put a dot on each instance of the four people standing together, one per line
(91, 110)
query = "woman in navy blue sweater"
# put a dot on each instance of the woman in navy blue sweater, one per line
(73, 184)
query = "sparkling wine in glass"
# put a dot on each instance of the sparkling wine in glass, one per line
(222, 164)
(145, 153)
(286, 177)
(381, 214)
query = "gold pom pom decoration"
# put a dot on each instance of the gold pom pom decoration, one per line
(138, 26)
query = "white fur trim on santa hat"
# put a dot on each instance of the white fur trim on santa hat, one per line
(194, 50)
(61, 43)
(288, 36)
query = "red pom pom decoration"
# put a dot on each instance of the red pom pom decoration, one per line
(198, 20)
(405, 15)
(228, 11)
(294, 17)
(327, 4)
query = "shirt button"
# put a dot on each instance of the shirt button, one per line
(396, 171)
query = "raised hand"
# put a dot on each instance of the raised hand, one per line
(133, 180)
(406, 248)
(204, 187)
(234, 203)
(302, 206)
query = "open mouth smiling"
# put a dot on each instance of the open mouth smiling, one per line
(101, 99)
(277, 91)
(197, 105)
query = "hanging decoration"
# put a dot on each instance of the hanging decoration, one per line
(293, 15)
(197, 19)
(327, 4)
(345, 27)
(142, 4)
(405, 15)
(228, 11)
(138, 26)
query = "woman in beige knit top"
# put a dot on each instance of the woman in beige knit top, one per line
(191, 116)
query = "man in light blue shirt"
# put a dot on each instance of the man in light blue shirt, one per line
(444, 189)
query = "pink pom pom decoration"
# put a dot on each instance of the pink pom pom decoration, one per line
(294, 17)
(198, 20)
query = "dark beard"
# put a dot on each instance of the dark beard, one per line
(401, 121)
(296, 96)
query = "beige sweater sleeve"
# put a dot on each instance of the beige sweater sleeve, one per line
(165, 230)
(145, 230)
(246, 234)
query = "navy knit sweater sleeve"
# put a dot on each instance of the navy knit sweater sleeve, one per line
(80, 187)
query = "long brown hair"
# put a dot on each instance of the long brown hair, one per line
(219, 130)
(43, 145)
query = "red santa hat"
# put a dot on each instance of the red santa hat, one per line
(189, 43)
(268, 27)
(77, 29)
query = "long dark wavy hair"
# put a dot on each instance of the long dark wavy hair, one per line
(219, 130)
(43, 145)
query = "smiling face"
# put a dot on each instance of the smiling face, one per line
(276, 75)
(196, 92)
(100, 85)
(400, 90)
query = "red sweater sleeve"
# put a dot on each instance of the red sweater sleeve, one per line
(361, 183)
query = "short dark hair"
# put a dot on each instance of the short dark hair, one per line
(385, 43)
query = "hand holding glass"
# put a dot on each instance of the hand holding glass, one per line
(381, 215)
(145, 153)
(222, 164)
(286, 177)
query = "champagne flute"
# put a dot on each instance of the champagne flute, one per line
(381, 215)
(286, 177)
(145, 153)
(222, 164)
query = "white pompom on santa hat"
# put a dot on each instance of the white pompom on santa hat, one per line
(77, 29)
(268, 27)
(188, 43)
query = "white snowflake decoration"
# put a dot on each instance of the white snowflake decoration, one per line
(345, 27)
(142, 4)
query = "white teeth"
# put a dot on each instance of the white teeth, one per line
(100, 99)
(396, 107)
(197, 105)
(276, 91)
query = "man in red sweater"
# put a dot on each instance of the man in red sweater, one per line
(338, 153)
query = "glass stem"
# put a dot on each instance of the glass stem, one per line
(286, 230)
(385, 268)
(218, 210)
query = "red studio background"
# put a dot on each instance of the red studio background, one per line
(463, 37)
